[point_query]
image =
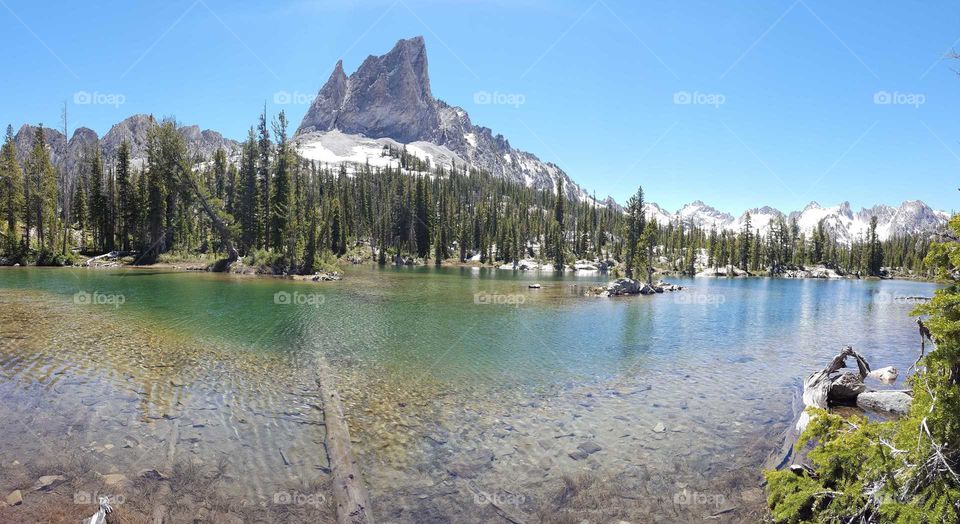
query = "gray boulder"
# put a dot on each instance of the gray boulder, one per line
(623, 286)
(896, 402)
(846, 388)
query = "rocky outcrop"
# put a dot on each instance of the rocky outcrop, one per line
(628, 286)
(623, 286)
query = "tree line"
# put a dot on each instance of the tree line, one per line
(296, 215)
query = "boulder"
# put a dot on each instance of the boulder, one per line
(896, 402)
(846, 388)
(887, 374)
(623, 286)
(647, 289)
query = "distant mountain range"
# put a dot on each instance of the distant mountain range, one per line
(387, 102)
(912, 216)
(203, 143)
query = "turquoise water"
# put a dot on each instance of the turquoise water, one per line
(474, 359)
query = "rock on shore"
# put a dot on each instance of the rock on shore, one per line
(896, 402)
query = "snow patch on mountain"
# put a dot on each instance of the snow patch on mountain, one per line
(911, 217)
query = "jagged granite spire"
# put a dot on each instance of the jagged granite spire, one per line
(388, 96)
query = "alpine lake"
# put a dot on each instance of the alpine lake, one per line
(470, 397)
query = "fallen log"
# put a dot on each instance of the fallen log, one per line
(349, 491)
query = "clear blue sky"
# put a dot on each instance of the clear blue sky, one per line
(797, 81)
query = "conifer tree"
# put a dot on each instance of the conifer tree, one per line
(11, 191)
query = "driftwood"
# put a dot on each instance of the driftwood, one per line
(349, 491)
(816, 388)
(112, 254)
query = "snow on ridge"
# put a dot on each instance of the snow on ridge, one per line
(334, 147)
(912, 216)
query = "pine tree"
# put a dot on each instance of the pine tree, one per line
(281, 199)
(11, 191)
(636, 222)
(42, 197)
(263, 176)
(80, 211)
(559, 234)
(125, 198)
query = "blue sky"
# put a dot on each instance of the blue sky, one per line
(783, 94)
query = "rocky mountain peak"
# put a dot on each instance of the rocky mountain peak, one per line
(845, 209)
(387, 96)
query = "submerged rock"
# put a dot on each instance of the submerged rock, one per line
(15, 498)
(114, 479)
(48, 481)
(896, 402)
(589, 447)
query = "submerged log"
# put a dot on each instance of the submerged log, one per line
(349, 491)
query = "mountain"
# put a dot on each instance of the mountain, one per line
(388, 100)
(69, 153)
(703, 216)
(912, 216)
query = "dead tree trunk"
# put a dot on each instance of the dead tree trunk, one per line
(225, 236)
(816, 388)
